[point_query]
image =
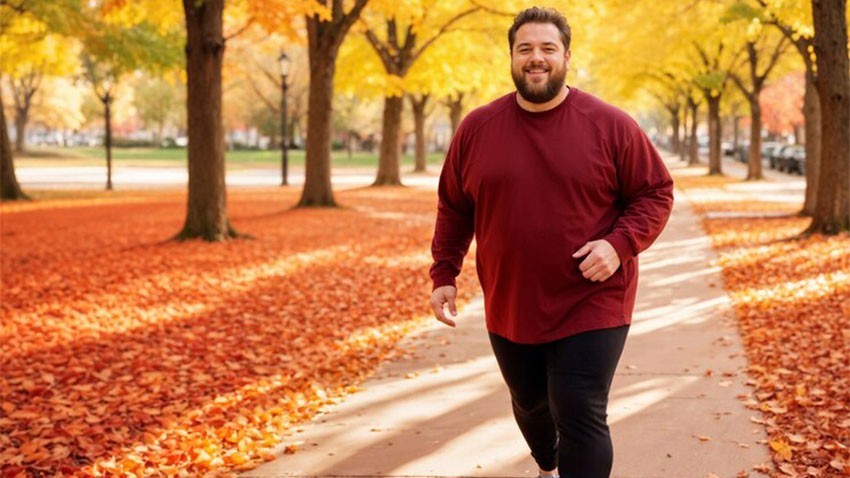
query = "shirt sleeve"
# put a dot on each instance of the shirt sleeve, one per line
(646, 192)
(455, 219)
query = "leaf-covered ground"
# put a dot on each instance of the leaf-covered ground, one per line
(792, 298)
(125, 354)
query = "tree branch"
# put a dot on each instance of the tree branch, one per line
(382, 50)
(444, 29)
(263, 97)
(492, 10)
(780, 49)
(241, 30)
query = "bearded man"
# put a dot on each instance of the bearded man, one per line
(562, 192)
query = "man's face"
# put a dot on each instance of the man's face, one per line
(539, 62)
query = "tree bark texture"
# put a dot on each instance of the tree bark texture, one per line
(455, 104)
(693, 147)
(812, 119)
(421, 155)
(832, 210)
(317, 190)
(388, 161)
(10, 189)
(714, 133)
(21, 120)
(675, 136)
(206, 214)
(323, 39)
(23, 91)
(754, 167)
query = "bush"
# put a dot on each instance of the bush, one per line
(132, 143)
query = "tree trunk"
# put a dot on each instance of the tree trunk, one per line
(832, 211)
(107, 103)
(682, 152)
(811, 113)
(754, 168)
(714, 132)
(21, 120)
(693, 160)
(388, 161)
(23, 91)
(675, 138)
(9, 187)
(206, 214)
(736, 131)
(323, 39)
(418, 107)
(455, 111)
(317, 181)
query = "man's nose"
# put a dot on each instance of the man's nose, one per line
(536, 54)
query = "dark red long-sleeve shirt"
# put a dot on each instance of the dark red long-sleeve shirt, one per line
(533, 187)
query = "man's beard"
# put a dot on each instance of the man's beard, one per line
(550, 90)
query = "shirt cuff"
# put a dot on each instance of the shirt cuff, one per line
(443, 280)
(621, 245)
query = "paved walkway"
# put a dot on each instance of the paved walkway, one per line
(136, 177)
(443, 411)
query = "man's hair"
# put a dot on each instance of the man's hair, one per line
(541, 15)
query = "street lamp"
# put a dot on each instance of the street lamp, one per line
(284, 160)
(107, 103)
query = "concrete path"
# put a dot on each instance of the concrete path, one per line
(136, 177)
(444, 411)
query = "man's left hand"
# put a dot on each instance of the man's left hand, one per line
(601, 261)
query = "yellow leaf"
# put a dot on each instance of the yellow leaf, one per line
(782, 449)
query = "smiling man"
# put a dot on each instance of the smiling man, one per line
(562, 192)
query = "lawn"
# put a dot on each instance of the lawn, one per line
(85, 156)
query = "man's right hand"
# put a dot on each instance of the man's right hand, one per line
(439, 298)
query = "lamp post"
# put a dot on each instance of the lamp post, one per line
(284, 142)
(107, 103)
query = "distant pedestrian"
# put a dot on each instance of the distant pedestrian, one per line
(561, 191)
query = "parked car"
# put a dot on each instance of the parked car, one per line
(798, 160)
(728, 148)
(769, 150)
(774, 159)
(742, 153)
(792, 159)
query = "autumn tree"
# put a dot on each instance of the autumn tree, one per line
(418, 105)
(832, 211)
(400, 37)
(206, 209)
(112, 47)
(10, 189)
(672, 104)
(156, 100)
(25, 22)
(763, 52)
(326, 29)
(794, 21)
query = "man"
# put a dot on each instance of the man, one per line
(561, 191)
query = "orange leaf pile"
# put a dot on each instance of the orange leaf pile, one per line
(125, 354)
(792, 295)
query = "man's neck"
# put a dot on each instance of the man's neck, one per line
(538, 107)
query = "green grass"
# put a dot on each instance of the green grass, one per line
(85, 156)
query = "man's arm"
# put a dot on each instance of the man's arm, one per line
(452, 233)
(646, 191)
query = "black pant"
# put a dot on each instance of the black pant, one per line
(559, 392)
